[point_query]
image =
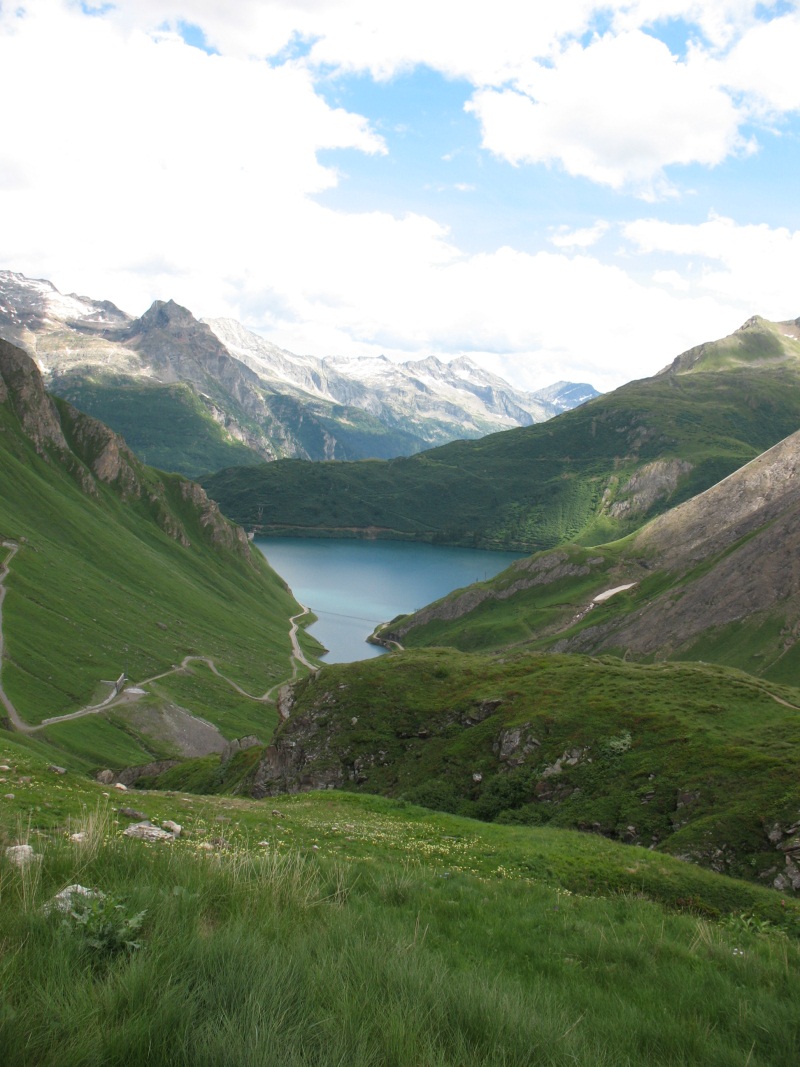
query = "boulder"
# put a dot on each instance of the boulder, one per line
(63, 901)
(21, 855)
(145, 831)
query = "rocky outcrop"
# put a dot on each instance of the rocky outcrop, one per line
(513, 746)
(130, 775)
(239, 744)
(23, 388)
(220, 531)
(786, 840)
(104, 453)
(651, 483)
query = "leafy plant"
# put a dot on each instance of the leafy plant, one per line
(104, 925)
(615, 746)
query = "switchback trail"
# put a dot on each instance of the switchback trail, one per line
(297, 658)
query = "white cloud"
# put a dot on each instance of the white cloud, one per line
(133, 167)
(584, 237)
(617, 112)
(461, 38)
(127, 149)
(731, 263)
(764, 66)
(720, 22)
(484, 43)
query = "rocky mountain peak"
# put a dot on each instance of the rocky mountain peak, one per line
(755, 322)
(163, 314)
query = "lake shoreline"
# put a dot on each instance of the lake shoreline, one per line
(353, 584)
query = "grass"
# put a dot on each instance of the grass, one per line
(365, 932)
(97, 742)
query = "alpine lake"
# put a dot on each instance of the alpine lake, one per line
(352, 586)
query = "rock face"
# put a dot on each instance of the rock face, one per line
(653, 482)
(23, 388)
(746, 531)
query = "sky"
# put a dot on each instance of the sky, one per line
(574, 191)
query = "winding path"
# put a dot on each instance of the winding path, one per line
(13, 714)
(297, 658)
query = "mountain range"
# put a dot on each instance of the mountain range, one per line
(196, 396)
(591, 474)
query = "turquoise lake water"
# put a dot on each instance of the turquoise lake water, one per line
(355, 585)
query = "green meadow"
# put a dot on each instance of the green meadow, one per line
(329, 928)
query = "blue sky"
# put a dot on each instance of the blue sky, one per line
(577, 192)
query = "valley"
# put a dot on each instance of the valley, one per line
(566, 793)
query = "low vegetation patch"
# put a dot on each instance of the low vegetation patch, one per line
(696, 760)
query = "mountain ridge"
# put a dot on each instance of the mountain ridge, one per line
(196, 395)
(724, 559)
(591, 474)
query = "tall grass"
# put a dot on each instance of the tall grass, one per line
(280, 959)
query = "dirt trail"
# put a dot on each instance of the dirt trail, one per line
(114, 699)
(13, 715)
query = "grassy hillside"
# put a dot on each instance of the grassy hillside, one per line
(167, 426)
(713, 579)
(119, 568)
(588, 475)
(337, 928)
(695, 760)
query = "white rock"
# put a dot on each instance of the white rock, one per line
(63, 901)
(122, 788)
(81, 835)
(145, 831)
(173, 827)
(21, 855)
